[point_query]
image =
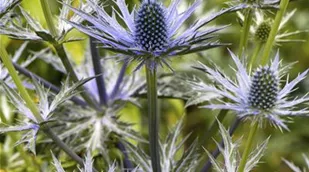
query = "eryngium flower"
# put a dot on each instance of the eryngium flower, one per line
(151, 33)
(258, 95)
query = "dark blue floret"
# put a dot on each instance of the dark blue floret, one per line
(264, 89)
(150, 27)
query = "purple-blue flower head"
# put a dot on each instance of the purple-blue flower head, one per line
(152, 32)
(260, 95)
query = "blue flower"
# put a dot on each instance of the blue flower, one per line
(152, 33)
(258, 95)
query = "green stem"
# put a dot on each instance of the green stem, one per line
(69, 68)
(33, 108)
(274, 30)
(249, 143)
(153, 118)
(255, 54)
(23, 92)
(48, 17)
(245, 32)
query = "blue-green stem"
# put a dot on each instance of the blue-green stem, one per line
(33, 108)
(245, 32)
(274, 29)
(98, 71)
(249, 143)
(153, 118)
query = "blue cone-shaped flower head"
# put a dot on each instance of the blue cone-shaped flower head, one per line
(259, 95)
(151, 33)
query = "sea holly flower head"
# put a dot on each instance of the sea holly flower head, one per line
(152, 32)
(259, 95)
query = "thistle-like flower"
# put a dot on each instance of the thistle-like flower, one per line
(152, 32)
(258, 95)
(261, 28)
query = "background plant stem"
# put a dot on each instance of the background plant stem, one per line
(48, 17)
(153, 119)
(256, 51)
(274, 29)
(245, 32)
(249, 143)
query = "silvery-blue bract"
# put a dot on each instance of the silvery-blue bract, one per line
(258, 95)
(151, 33)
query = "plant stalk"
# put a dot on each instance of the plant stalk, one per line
(98, 71)
(273, 32)
(255, 54)
(249, 143)
(22, 91)
(153, 118)
(48, 17)
(245, 32)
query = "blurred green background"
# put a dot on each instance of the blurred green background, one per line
(289, 145)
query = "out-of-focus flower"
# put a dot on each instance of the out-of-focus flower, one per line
(152, 33)
(261, 27)
(256, 4)
(258, 96)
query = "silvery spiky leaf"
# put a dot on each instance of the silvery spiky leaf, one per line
(88, 165)
(295, 168)
(67, 91)
(7, 5)
(261, 27)
(231, 154)
(152, 32)
(257, 95)
(33, 30)
(197, 94)
(172, 145)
